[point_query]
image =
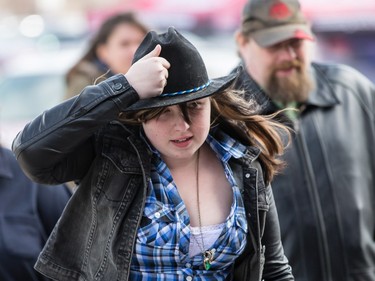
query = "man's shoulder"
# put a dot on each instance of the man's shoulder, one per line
(339, 73)
(343, 82)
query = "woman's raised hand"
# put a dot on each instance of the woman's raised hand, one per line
(148, 76)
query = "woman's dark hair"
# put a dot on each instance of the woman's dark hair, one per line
(104, 32)
(240, 119)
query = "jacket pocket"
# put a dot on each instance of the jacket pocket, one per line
(157, 225)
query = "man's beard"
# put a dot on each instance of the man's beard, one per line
(295, 88)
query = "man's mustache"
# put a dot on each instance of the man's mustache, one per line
(285, 65)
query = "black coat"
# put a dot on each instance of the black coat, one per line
(326, 195)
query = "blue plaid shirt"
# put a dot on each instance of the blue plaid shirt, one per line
(162, 247)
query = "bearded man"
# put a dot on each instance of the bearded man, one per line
(326, 194)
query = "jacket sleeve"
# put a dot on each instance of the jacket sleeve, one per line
(276, 265)
(57, 146)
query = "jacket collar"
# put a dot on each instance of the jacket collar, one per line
(252, 89)
(322, 95)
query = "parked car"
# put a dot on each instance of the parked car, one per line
(29, 85)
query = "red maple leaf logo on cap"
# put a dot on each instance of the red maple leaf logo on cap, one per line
(279, 10)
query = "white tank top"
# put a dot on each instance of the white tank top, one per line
(209, 234)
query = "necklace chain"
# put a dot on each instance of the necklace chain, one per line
(208, 255)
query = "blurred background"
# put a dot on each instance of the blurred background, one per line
(41, 39)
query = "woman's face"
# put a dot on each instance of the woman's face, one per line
(118, 51)
(173, 137)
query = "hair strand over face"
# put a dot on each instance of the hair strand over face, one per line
(239, 119)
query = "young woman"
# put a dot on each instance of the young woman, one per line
(110, 51)
(173, 171)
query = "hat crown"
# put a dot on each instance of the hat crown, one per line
(187, 71)
(270, 22)
(187, 76)
(260, 14)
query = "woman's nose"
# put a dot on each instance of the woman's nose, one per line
(180, 122)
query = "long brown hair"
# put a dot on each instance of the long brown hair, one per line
(239, 119)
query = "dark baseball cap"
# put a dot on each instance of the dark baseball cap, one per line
(270, 22)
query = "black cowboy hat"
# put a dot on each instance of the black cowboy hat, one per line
(187, 78)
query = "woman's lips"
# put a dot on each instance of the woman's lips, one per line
(182, 142)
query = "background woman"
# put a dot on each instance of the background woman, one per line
(111, 51)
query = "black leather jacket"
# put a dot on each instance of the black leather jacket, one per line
(94, 239)
(326, 196)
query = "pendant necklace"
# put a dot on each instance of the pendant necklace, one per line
(208, 255)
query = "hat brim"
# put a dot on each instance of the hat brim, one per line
(275, 35)
(216, 85)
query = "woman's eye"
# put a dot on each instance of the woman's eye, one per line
(163, 113)
(193, 105)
